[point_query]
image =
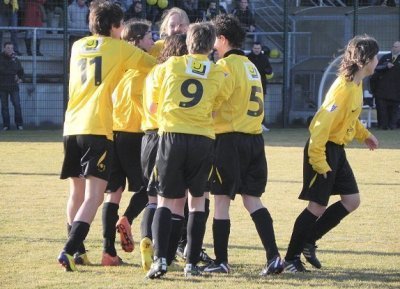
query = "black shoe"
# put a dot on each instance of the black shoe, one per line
(309, 253)
(218, 268)
(39, 53)
(294, 266)
(205, 258)
(273, 266)
(158, 268)
(191, 270)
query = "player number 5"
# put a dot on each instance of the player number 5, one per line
(255, 98)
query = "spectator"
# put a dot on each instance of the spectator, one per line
(34, 17)
(245, 16)
(11, 74)
(77, 19)
(9, 17)
(261, 61)
(191, 7)
(385, 86)
(135, 11)
(212, 10)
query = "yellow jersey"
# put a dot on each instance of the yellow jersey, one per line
(149, 120)
(97, 65)
(155, 50)
(243, 111)
(337, 120)
(127, 101)
(186, 89)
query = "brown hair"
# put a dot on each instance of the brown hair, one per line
(103, 16)
(174, 45)
(134, 30)
(358, 52)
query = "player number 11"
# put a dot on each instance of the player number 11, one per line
(97, 69)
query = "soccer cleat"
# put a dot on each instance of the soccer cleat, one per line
(158, 268)
(67, 261)
(218, 268)
(108, 260)
(125, 233)
(20, 127)
(273, 266)
(146, 252)
(309, 253)
(205, 258)
(191, 270)
(181, 252)
(295, 266)
(81, 259)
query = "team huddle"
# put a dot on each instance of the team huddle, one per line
(165, 122)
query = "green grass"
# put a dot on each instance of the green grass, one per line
(363, 252)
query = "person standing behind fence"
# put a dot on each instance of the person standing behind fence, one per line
(77, 19)
(385, 84)
(11, 74)
(9, 17)
(35, 16)
(326, 170)
(261, 61)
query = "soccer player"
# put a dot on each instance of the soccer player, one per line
(126, 163)
(326, 170)
(97, 63)
(240, 163)
(185, 94)
(174, 45)
(174, 21)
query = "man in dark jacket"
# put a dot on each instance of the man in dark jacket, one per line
(261, 61)
(11, 74)
(385, 86)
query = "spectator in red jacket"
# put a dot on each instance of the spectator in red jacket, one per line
(34, 17)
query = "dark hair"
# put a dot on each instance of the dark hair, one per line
(7, 43)
(359, 51)
(257, 43)
(200, 37)
(174, 45)
(103, 16)
(135, 30)
(229, 26)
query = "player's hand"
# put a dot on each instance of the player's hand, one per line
(372, 142)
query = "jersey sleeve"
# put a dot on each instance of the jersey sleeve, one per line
(136, 58)
(361, 132)
(321, 126)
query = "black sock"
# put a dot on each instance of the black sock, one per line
(302, 227)
(196, 228)
(77, 235)
(183, 240)
(81, 247)
(221, 231)
(147, 220)
(109, 219)
(176, 229)
(329, 220)
(207, 209)
(161, 229)
(263, 221)
(136, 205)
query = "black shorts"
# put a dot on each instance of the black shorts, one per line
(240, 165)
(340, 181)
(87, 155)
(148, 160)
(126, 162)
(183, 162)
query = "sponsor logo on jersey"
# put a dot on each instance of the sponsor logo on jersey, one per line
(332, 108)
(198, 68)
(101, 167)
(92, 45)
(251, 70)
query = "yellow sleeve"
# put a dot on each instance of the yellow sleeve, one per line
(136, 58)
(361, 132)
(319, 130)
(158, 76)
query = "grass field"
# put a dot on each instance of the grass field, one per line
(363, 252)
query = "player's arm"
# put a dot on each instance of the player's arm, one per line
(157, 77)
(136, 58)
(319, 137)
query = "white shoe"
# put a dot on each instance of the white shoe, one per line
(264, 128)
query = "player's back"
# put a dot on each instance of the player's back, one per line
(188, 93)
(97, 64)
(244, 109)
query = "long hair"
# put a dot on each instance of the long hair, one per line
(174, 45)
(167, 15)
(358, 52)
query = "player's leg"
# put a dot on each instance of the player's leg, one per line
(109, 220)
(177, 222)
(265, 229)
